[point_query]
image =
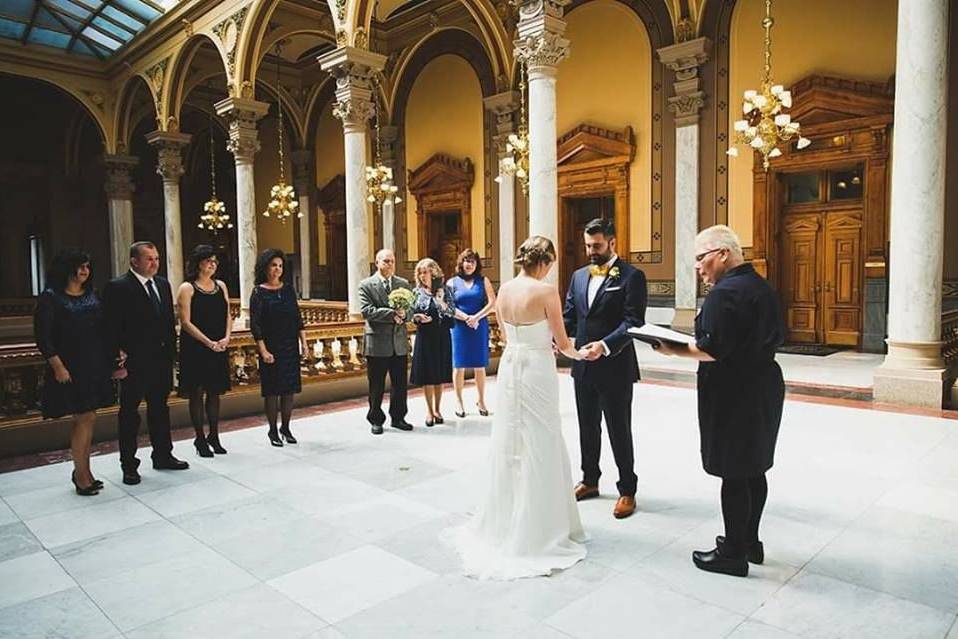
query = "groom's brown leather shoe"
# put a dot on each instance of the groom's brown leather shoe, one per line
(584, 491)
(624, 507)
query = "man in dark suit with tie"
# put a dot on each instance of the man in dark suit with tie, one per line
(138, 308)
(604, 300)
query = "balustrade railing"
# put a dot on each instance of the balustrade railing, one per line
(949, 338)
(335, 351)
(313, 311)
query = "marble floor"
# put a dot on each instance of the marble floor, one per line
(337, 537)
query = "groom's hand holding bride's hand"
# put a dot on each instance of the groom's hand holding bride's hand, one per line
(592, 351)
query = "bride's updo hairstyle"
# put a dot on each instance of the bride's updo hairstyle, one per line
(534, 252)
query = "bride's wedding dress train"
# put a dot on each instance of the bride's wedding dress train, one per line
(528, 522)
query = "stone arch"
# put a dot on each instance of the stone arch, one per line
(177, 86)
(291, 110)
(321, 97)
(250, 44)
(126, 118)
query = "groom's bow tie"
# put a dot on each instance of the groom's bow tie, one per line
(598, 271)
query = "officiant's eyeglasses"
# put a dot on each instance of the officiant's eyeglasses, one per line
(702, 256)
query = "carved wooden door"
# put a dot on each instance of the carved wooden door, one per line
(336, 255)
(800, 278)
(445, 240)
(841, 279)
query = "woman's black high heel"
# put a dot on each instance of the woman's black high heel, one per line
(430, 421)
(483, 411)
(440, 420)
(274, 439)
(87, 491)
(460, 414)
(288, 436)
(215, 446)
(202, 448)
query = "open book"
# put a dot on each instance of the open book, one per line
(654, 335)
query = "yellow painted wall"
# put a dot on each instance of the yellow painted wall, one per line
(270, 232)
(851, 39)
(606, 80)
(330, 162)
(444, 115)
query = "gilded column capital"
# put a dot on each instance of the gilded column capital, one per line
(169, 147)
(242, 115)
(353, 70)
(503, 107)
(684, 60)
(119, 183)
(540, 43)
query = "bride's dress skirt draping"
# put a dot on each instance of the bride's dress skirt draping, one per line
(528, 522)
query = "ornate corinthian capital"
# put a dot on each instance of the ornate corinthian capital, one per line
(353, 70)
(119, 182)
(242, 115)
(169, 147)
(540, 43)
(684, 59)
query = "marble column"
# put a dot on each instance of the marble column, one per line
(169, 150)
(303, 180)
(119, 192)
(242, 114)
(503, 107)
(684, 60)
(913, 371)
(388, 136)
(540, 46)
(353, 69)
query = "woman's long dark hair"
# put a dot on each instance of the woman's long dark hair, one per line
(262, 265)
(65, 265)
(200, 253)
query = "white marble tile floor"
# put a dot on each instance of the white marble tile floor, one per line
(338, 537)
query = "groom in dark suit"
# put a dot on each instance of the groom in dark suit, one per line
(604, 300)
(138, 308)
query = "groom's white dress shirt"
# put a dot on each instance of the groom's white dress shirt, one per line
(595, 283)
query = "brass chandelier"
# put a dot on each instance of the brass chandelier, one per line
(379, 177)
(766, 125)
(282, 198)
(214, 217)
(516, 161)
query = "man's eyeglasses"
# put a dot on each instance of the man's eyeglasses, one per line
(702, 256)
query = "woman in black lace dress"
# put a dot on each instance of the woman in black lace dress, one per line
(433, 313)
(68, 328)
(205, 327)
(277, 328)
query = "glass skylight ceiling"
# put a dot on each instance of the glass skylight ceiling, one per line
(87, 27)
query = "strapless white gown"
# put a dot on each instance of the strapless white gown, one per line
(528, 522)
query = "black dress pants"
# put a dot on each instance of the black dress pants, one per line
(376, 369)
(152, 385)
(614, 401)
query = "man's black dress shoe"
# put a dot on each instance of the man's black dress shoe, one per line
(755, 553)
(377, 429)
(714, 561)
(403, 425)
(131, 477)
(170, 463)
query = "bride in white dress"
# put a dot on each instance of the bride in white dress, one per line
(527, 523)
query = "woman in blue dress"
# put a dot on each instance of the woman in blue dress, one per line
(475, 299)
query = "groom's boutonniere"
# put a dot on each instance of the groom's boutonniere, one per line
(613, 273)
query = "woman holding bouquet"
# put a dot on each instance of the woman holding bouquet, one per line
(433, 314)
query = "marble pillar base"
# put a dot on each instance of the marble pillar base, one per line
(913, 374)
(684, 320)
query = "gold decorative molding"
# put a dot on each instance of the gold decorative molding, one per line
(228, 31)
(156, 75)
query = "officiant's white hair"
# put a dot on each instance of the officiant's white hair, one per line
(719, 236)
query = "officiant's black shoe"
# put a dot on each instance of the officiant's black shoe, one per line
(714, 561)
(403, 425)
(755, 553)
(131, 477)
(584, 491)
(376, 429)
(170, 463)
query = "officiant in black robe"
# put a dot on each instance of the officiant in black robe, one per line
(740, 392)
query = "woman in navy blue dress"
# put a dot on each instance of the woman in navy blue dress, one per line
(277, 328)
(432, 314)
(475, 298)
(68, 328)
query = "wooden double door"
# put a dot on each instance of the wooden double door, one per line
(821, 276)
(576, 213)
(445, 240)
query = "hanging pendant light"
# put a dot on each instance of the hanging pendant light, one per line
(766, 124)
(516, 161)
(379, 177)
(282, 198)
(214, 217)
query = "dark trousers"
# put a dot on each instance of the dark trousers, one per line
(592, 401)
(376, 369)
(743, 500)
(154, 387)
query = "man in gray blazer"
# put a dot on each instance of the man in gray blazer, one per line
(387, 344)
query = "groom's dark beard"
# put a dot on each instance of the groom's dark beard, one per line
(600, 258)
